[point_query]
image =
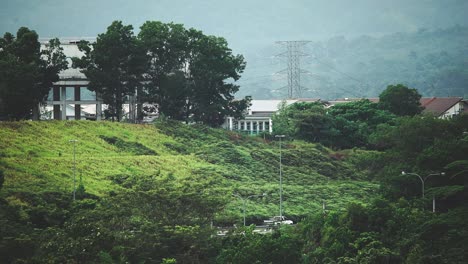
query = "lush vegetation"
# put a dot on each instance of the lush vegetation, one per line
(27, 73)
(186, 74)
(347, 125)
(151, 193)
(147, 192)
(398, 226)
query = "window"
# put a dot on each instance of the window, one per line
(70, 94)
(87, 94)
(50, 96)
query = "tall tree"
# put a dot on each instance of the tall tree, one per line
(189, 75)
(27, 73)
(166, 48)
(210, 64)
(114, 65)
(400, 100)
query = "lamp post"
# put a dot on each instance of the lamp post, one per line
(74, 167)
(244, 201)
(280, 176)
(423, 181)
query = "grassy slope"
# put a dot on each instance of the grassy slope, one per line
(38, 157)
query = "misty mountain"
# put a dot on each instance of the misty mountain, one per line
(433, 61)
(369, 51)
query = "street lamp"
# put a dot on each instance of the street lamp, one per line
(74, 167)
(280, 176)
(423, 181)
(245, 199)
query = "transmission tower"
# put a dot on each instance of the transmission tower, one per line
(293, 54)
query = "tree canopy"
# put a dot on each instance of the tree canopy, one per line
(113, 65)
(186, 74)
(342, 126)
(27, 73)
(401, 100)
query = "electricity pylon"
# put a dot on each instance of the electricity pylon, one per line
(293, 54)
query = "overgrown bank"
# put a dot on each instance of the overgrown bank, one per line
(163, 185)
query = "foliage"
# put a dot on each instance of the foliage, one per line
(383, 232)
(186, 74)
(210, 63)
(356, 122)
(27, 73)
(132, 147)
(342, 126)
(113, 65)
(245, 246)
(400, 100)
(2, 178)
(140, 206)
(167, 48)
(307, 121)
(134, 205)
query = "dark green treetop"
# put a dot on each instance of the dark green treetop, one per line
(27, 72)
(401, 100)
(113, 65)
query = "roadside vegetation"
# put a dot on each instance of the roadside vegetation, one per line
(133, 180)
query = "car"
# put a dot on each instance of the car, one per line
(278, 220)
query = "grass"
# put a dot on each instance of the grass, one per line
(38, 157)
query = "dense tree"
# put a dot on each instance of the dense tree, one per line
(342, 126)
(27, 73)
(400, 100)
(187, 75)
(114, 66)
(166, 47)
(308, 121)
(246, 246)
(355, 122)
(210, 64)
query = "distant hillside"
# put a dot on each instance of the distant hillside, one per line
(433, 61)
(37, 159)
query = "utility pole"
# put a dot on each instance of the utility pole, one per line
(74, 167)
(293, 54)
(280, 176)
(244, 200)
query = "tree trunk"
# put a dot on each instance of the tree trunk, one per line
(35, 112)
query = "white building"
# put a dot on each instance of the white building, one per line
(444, 107)
(69, 98)
(259, 116)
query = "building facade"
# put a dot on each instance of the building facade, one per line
(70, 98)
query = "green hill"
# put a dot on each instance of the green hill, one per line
(37, 157)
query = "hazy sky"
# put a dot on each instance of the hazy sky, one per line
(246, 24)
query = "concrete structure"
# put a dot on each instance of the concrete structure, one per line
(259, 116)
(69, 98)
(258, 119)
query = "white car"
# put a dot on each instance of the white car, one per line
(278, 220)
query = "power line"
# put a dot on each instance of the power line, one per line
(343, 73)
(338, 71)
(255, 77)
